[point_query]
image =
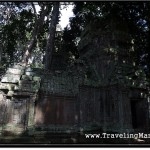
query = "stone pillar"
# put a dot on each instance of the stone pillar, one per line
(31, 107)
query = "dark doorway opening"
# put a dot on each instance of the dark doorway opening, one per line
(138, 114)
(134, 114)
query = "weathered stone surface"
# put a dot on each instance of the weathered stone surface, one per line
(29, 69)
(26, 77)
(10, 93)
(12, 130)
(6, 86)
(20, 93)
(31, 115)
(21, 82)
(29, 73)
(15, 71)
(19, 66)
(63, 85)
(1, 97)
(16, 88)
(36, 78)
(11, 78)
(29, 87)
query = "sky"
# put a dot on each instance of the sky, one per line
(64, 17)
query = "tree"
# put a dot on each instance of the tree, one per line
(51, 36)
(21, 29)
(13, 26)
(38, 25)
(134, 14)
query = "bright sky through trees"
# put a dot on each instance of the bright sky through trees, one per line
(66, 13)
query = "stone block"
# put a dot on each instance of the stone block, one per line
(26, 77)
(29, 69)
(6, 86)
(29, 87)
(10, 93)
(16, 88)
(21, 82)
(15, 71)
(36, 87)
(21, 93)
(29, 73)
(36, 78)
(19, 66)
(10, 78)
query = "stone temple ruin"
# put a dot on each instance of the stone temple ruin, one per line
(97, 92)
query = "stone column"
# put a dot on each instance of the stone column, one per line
(31, 114)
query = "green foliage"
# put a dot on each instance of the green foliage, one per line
(18, 20)
(133, 14)
(14, 30)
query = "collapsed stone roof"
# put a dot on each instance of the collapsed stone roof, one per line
(26, 81)
(18, 81)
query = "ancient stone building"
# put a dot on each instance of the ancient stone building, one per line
(120, 99)
(97, 92)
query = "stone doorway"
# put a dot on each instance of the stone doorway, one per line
(138, 112)
(17, 117)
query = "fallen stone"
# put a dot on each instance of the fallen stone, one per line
(10, 93)
(29, 69)
(6, 86)
(19, 66)
(10, 78)
(16, 88)
(29, 73)
(15, 71)
(1, 97)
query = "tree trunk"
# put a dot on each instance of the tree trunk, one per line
(51, 36)
(0, 55)
(36, 30)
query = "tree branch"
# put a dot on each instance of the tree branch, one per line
(38, 25)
